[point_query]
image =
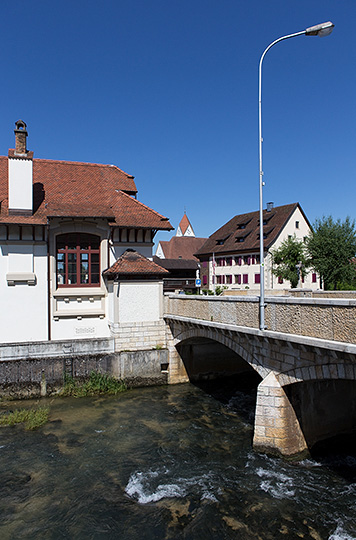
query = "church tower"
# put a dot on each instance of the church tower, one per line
(185, 228)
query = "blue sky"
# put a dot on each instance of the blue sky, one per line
(168, 91)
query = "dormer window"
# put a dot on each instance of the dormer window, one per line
(266, 233)
(221, 241)
(243, 225)
(241, 237)
(266, 219)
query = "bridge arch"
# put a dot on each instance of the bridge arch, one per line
(186, 334)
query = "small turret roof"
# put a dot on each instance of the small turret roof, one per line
(131, 263)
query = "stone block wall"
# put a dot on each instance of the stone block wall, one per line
(277, 430)
(140, 336)
(35, 377)
(326, 318)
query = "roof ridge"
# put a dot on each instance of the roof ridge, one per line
(265, 210)
(80, 163)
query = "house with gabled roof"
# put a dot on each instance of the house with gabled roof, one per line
(65, 231)
(177, 256)
(231, 258)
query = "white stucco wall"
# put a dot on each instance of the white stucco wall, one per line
(300, 233)
(20, 184)
(79, 328)
(23, 313)
(139, 301)
(75, 312)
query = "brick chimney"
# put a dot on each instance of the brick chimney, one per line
(20, 174)
(20, 137)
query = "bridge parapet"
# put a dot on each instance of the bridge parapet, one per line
(324, 318)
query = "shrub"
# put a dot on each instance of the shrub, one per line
(98, 383)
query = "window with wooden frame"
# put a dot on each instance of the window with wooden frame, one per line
(78, 260)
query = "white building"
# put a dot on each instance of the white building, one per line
(230, 257)
(62, 224)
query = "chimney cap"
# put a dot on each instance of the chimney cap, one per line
(21, 126)
(270, 206)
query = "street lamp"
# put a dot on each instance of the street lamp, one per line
(323, 29)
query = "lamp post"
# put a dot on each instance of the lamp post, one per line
(323, 29)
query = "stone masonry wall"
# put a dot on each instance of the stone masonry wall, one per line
(325, 318)
(140, 336)
(35, 377)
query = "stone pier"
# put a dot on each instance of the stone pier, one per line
(277, 430)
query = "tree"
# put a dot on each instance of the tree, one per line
(332, 247)
(290, 260)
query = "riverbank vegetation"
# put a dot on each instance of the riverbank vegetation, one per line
(98, 383)
(31, 418)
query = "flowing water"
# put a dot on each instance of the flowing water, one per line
(165, 463)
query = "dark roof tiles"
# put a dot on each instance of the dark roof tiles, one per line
(131, 263)
(177, 264)
(241, 233)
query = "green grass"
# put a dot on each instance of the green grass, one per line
(98, 383)
(32, 418)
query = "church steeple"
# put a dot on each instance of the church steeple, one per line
(185, 228)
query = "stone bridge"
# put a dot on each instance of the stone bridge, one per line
(305, 361)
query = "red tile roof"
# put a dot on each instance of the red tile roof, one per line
(131, 263)
(182, 247)
(73, 189)
(241, 234)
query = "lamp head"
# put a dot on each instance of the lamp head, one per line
(323, 29)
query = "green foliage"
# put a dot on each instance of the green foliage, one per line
(290, 256)
(98, 383)
(207, 292)
(32, 418)
(332, 246)
(219, 290)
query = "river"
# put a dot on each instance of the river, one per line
(166, 463)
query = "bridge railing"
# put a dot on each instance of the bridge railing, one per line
(325, 318)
